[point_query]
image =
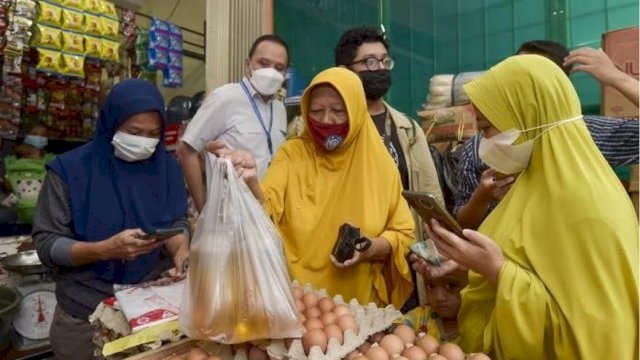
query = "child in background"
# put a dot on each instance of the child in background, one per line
(33, 145)
(438, 317)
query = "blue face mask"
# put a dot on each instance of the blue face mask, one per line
(40, 142)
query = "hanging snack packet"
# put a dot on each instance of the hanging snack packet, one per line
(175, 59)
(158, 58)
(158, 38)
(92, 46)
(109, 27)
(73, 42)
(110, 50)
(72, 19)
(175, 42)
(92, 6)
(92, 24)
(47, 36)
(49, 14)
(73, 64)
(76, 4)
(108, 8)
(172, 77)
(157, 24)
(49, 60)
(25, 8)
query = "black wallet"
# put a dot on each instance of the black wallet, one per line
(348, 242)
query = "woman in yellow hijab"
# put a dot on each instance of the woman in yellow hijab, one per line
(337, 172)
(561, 283)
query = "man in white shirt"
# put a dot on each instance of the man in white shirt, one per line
(244, 115)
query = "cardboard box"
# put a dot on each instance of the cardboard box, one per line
(623, 47)
(456, 123)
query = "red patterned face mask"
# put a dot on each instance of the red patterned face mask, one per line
(328, 136)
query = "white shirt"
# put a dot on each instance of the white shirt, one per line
(227, 114)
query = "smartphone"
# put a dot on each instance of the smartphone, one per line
(427, 251)
(161, 234)
(429, 208)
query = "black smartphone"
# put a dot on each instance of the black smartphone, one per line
(429, 208)
(161, 234)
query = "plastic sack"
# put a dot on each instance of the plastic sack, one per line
(238, 287)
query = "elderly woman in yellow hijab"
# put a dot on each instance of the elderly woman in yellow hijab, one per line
(554, 268)
(338, 171)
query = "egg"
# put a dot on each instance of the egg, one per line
(297, 293)
(361, 357)
(451, 351)
(479, 356)
(302, 318)
(428, 343)
(326, 304)
(364, 347)
(392, 344)
(377, 353)
(310, 300)
(213, 358)
(405, 333)
(257, 354)
(352, 355)
(399, 357)
(300, 306)
(415, 353)
(334, 331)
(347, 322)
(313, 312)
(176, 357)
(329, 318)
(341, 310)
(437, 357)
(315, 337)
(313, 323)
(196, 354)
(375, 338)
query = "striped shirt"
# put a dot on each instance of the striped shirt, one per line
(617, 140)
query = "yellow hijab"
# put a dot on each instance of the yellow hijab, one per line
(568, 289)
(310, 192)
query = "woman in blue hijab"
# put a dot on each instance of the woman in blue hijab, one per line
(95, 204)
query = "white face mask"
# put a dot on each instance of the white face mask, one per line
(499, 152)
(132, 147)
(266, 81)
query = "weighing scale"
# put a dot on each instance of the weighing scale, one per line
(35, 314)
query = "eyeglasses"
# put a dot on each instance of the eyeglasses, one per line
(374, 64)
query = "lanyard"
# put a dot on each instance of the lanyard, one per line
(267, 132)
(387, 131)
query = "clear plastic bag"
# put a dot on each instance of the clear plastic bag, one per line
(238, 288)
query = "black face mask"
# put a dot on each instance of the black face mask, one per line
(376, 83)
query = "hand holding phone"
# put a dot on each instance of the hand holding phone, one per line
(161, 234)
(428, 207)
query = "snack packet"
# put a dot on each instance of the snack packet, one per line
(76, 4)
(92, 6)
(72, 19)
(92, 46)
(109, 27)
(49, 60)
(47, 36)
(73, 64)
(92, 24)
(73, 42)
(108, 8)
(110, 50)
(49, 14)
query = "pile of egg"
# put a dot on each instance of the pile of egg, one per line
(403, 344)
(323, 319)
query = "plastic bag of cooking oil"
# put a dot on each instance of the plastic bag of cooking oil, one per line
(238, 288)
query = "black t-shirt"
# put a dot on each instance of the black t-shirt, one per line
(395, 150)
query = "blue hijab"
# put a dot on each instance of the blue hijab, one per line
(108, 195)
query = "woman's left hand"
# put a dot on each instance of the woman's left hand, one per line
(380, 249)
(178, 246)
(477, 252)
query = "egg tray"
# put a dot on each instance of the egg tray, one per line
(370, 319)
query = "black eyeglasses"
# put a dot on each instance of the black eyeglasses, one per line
(373, 63)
